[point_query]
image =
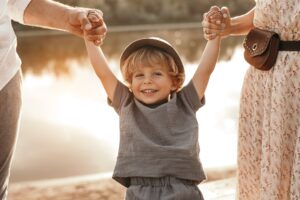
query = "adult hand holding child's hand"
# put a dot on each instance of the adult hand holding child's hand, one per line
(88, 23)
(216, 22)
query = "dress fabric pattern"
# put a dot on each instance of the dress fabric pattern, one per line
(269, 122)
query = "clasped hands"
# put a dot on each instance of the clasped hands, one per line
(216, 22)
(89, 24)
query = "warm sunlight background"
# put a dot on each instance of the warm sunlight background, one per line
(68, 129)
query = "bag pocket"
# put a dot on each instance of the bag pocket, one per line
(261, 48)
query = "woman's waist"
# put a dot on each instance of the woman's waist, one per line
(285, 33)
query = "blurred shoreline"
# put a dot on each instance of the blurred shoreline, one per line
(116, 28)
(102, 186)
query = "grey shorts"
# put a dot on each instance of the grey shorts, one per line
(165, 188)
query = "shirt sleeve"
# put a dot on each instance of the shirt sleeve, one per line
(16, 9)
(121, 95)
(190, 96)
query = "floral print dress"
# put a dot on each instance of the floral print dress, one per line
(269, 122)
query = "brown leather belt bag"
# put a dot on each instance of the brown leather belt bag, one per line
(261, 48)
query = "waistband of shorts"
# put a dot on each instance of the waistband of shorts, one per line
(160, 181)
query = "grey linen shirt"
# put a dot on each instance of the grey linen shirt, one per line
(159, 141)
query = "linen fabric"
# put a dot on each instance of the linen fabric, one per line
(158, 141)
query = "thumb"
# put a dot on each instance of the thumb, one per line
(225, 12)
(84, 21)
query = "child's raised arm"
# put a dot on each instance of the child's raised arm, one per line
(100, 65)
(207, 64)
(98, 60)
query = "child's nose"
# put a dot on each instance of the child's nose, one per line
(147, 80)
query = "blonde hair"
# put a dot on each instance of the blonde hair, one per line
(151, 56)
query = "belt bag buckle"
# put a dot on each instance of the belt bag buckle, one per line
(261, 48)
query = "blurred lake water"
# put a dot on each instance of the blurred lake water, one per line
(67, 128)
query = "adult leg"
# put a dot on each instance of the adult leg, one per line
(10, 104)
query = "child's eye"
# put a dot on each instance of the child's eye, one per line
(138, 75)
(157, 73)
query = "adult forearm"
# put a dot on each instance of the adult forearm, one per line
(49, 14)
(241, 25)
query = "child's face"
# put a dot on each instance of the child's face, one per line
(152, 84)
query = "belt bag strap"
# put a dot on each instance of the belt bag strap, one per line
(289, 46)
(262, 46)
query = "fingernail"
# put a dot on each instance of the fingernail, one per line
(218, 22)
(88, 26)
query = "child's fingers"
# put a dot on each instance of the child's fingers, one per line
(97, 34)
(212, 26)
(94, 37)
(211, 31)
(210, 36)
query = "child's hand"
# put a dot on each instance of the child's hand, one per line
(96, 20)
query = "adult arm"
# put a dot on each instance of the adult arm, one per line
(55, 15)
(239, 25)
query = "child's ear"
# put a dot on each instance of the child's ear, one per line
(174, 87)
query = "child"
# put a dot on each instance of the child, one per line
(159, 151)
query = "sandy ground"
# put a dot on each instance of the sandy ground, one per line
(85, 188)
(99, 187)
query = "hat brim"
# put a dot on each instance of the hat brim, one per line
(156, 43)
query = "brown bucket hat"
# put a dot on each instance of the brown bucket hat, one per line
(156, 43)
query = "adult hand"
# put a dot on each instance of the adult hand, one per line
(213, 27)
(80, 25)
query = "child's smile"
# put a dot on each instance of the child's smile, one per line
(152, 85)
(148, 92)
